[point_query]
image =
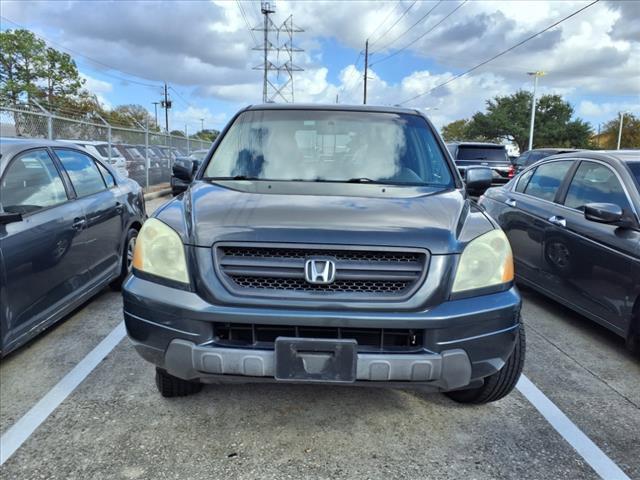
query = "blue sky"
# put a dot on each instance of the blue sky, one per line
(204, 51)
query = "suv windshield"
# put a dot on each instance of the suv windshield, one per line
(330, 146)
(491, 154)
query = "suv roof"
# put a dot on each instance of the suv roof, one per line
(477, 144)
(336, 107)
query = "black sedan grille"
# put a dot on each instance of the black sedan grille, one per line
(361, 272)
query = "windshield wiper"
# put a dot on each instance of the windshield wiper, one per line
(361, 180)
(235, 177)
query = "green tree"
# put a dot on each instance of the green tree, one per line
(208, 135)
(128, 115)
(456, 130)
(177, 133)
(22, 64)
(508, 118)
(60, 75)
(630, 133)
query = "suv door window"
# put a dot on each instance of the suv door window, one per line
(31, 182)
(595, 183)
(82, 170)
(546, 180)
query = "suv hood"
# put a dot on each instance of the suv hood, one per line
(351, 214)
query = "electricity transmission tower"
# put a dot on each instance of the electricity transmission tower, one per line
(274, 86)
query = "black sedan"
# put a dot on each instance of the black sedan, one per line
(530, 157)
(68, 225)
(574, 228)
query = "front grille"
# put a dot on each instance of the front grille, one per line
(361, 272)
(243, 335)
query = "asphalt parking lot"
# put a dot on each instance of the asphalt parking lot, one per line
(116, 425)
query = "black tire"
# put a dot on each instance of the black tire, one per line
(127, 257)
(170, 386)
(499, 384)
(633, 338)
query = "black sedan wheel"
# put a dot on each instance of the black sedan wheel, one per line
(127, 259)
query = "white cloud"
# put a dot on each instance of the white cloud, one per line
(206, 46)
(94, 85)
(191, 117)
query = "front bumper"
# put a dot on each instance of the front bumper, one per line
(464, 340)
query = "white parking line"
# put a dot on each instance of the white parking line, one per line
(596, 458)
(18, 433)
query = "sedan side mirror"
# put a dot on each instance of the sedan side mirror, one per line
(603, 212)
(183, 169)
(7, 217)
(477, 180)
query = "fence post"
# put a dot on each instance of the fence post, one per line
(49, 118)
(146, 149)
(108, 125)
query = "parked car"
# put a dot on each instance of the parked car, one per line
(530, 157)
(199, 154)
(68, 225)
(157, 173)
(362, 264)
(100, 150)
(572, 221)
(492, 155)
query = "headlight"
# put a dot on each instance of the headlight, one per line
(160, 251)
(486, 261)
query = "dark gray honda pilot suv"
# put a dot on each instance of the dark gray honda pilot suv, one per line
(327, 244)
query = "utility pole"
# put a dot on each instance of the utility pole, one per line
(620, 130)
(166, 104)
(366, 69)
(155, 109)
(202, 124)
(598, 137)
(271, 89)
(533, 104)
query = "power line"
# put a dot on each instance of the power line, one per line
(387, 17)
(244, 16)
(185, 101)
(394, 23)
(98, 62)
(531, 37)
(421, 36)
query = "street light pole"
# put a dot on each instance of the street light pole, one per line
(155, 109)
(533, 104)
(620, 130)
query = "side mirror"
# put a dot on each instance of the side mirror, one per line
(603, 212)
(7, 217)
(477, 180)
(183, 169)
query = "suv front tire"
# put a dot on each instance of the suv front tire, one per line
(499, 384)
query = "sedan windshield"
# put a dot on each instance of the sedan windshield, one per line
(330, 146)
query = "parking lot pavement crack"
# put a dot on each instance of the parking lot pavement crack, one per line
(595, 375)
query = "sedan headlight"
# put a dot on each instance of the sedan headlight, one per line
(159, 251)
(485, 262)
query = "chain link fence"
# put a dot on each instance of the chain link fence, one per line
(143, 155)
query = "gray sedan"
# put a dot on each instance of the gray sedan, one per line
(68, 224)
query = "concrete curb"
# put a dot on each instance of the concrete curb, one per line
(157, 194)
